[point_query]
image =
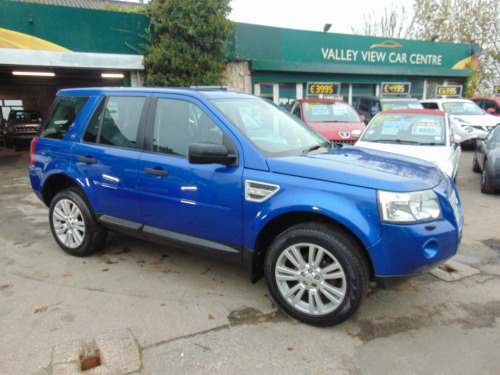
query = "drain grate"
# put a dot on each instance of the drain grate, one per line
(90, 358)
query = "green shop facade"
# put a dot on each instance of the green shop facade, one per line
(89, 47)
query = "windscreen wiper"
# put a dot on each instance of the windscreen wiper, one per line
(314, 148)
(394, 141)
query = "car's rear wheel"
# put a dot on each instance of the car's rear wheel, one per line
(486, 186)
(475, 164)
(73, 224)
(316, 274)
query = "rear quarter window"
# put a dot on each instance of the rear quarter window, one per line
(62, 116)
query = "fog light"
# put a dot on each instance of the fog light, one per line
(430, 249)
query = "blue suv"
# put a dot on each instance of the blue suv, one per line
(232, 175)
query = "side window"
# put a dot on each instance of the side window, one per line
(430, 105)
(178, 123)
(62, 116)
(491, 104)
(363, 105)
(296, 110)
(116, 122)
(490, 136)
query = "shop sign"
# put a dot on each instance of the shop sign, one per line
(395, 88)
(381, 56)
(453, 91)
(323, 88)
(496, 89)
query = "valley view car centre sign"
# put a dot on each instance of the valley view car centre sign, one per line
(379, 56)
(288, 50)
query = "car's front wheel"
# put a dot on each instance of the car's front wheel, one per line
(475, 164)
(316, 274)
(486, 186)
(73, 224)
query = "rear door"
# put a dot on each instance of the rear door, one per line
(108, 156)
(198, 205)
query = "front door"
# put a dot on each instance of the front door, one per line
(198, 205)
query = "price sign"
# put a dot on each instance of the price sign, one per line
(454, 91)
(325, 88)
(496, 89)
(395, 88)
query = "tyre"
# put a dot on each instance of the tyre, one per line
(73, 224)
(316, 274)
(486, 186)
(475, 164)
(8, 143)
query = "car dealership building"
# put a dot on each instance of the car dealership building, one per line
(75, 44)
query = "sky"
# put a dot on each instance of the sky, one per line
(310, 14)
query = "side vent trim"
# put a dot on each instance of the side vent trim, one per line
(256, 191)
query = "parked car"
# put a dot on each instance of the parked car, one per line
(487, 161)
(20, 128)
(421, 133)
(232, 175)
(369, 106)
(468, 120)
(489, 105)
(334, 119)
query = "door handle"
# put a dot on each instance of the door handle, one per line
(156, 172)
(87, 159)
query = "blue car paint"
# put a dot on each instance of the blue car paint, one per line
(340, 184)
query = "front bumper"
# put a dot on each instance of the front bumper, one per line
(406, 250)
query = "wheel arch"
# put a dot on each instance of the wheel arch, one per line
(284, 221)
(56, 183)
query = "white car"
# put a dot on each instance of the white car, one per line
(421, 133)
(468, 120)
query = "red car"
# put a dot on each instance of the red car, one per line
(334, 119)
(490, 105)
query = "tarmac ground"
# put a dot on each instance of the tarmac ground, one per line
(140, 308)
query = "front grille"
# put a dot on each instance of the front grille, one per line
(344, 142)
(26, 129)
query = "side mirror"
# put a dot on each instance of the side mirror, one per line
(457, 138)
(482, 136)
(356, 133)
(209, 153)
(363, 119)
(491, 111)
(374, 111)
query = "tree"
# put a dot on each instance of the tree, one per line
(396, 22)
(476, 22)
(186, 42)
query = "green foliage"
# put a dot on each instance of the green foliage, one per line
(476, 22)
(471, 84)
(187, 42)
(124, 9)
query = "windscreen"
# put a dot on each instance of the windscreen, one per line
(272, 130)
(329, 112)
(462, 108)
(419, 129)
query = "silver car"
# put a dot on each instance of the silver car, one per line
(487, 161)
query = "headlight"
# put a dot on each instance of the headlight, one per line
(411, 207)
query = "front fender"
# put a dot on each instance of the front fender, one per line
(351, 206)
